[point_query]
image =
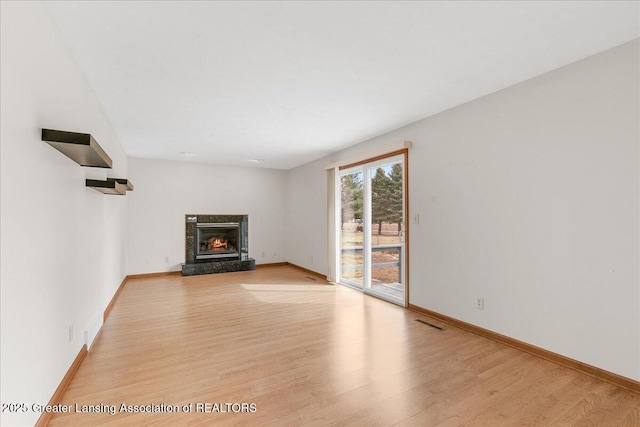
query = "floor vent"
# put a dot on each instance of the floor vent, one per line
(311, 278)
(429, 324)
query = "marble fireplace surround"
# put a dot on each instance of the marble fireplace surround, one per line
(193, 266)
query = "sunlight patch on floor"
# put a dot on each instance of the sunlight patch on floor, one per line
(258, 287)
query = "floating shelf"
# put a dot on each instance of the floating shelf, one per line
(123, 181)
(107, 187)
(79, 147)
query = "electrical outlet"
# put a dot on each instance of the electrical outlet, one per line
(416, 219)
(166, 260)
(262, 254)
(312, 259)
(71, 332)
(147, 261)
(480, 303)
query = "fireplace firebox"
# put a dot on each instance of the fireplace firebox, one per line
(217, 240)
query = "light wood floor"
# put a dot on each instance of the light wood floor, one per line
(309, 353)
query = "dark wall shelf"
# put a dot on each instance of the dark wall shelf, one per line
(110, 186)
(85, 151)
(79, 147)
(123, 181)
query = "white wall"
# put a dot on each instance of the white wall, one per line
(165, 191)
(62, 246)
(306, 216)
(529, 198)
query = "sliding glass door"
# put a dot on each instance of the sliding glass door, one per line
(372, 233)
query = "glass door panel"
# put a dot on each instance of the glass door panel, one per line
(352, 231)
(387, 230)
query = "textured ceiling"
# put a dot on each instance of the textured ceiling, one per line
(290, 82)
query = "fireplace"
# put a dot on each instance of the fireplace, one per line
(216, 244)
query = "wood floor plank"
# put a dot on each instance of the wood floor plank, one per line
(309, 353)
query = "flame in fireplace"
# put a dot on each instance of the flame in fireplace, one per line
(218, 244)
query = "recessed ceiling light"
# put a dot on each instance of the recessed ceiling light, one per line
(255, 160)
(187, 154)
